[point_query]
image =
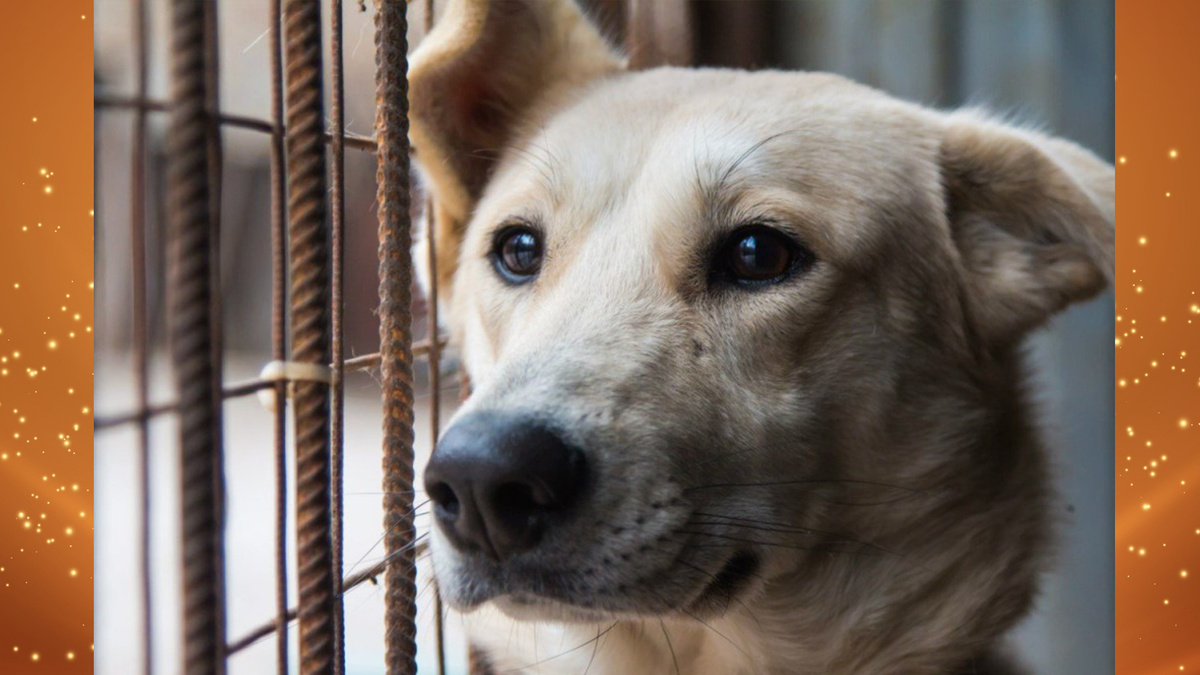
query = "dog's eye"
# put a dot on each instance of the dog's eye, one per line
(517, 253)
(756, 255)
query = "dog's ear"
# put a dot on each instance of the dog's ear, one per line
(485, 72)
(1032, 218)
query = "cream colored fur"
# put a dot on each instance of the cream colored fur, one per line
(861, 429)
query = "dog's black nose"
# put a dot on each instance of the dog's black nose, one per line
(498, 482)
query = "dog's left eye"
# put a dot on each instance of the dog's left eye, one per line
(757, 255)
(517, 253)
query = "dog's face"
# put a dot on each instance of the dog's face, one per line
(726, 328)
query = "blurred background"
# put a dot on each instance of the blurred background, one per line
(1048, 63)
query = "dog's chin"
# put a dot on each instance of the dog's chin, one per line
(693, 597)
(524, 607)
(535, 607)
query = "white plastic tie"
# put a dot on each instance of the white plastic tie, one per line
(290, 371)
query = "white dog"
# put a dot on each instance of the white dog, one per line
(748, 392)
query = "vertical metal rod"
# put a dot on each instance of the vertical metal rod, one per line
(395, 331)
(337, 400)
(309, 263)
(435, 374)
(435, 400)
(191, 323)
(212, 83)
(212, 76)
(141, 360)
(279, 275)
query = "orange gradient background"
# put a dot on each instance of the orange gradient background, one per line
(46, 71)
(45, 337)
(1157, 534)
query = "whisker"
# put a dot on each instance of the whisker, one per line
(773, 544)
(674, 659)
(783, 528)
(712, 576)
(560, 654)
(722, 635)
(595, 650)
(417, 543)
(414, 514)
(804, 481)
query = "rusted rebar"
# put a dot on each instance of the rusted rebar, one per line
(435, 390)
(191, 328)
(395, 331)
(279, 276)
(337, 398)
(140, 326)
(309, 267)
(141, 329)
(435, 373)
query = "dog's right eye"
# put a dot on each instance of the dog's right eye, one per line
(757, 255)
(517, 253)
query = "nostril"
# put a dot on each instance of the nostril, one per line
(445, 501)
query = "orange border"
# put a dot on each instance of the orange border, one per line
(45, 72)
(46, 337)
(1157, 530)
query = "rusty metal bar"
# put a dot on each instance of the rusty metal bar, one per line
(191, 323)
(435, 373)
(141, 329)
(435, 398)
(337, 398)
(279, 275)
(309, 267)
(395, 331)
(355, 141)
(216, 162)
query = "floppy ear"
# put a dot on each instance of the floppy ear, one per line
(1032, 218)
(485, 72)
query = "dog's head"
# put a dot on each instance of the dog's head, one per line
(734, 336)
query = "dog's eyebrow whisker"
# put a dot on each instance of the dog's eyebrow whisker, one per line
(540, 164)
(741, 159)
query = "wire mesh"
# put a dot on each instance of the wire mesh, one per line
(307, 315)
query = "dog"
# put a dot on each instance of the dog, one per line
(746, 355)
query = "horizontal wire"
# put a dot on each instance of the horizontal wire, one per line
(357, 579)
(364, 362)
(357, 141)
